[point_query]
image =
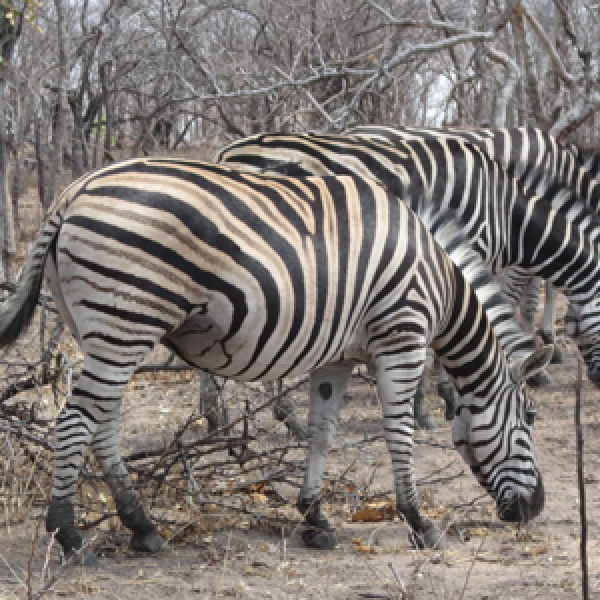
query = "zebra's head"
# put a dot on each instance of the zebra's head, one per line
(495, 438)
(583, 326)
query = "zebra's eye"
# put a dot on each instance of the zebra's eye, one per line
(530, 417)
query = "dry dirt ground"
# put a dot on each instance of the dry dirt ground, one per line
(234, 554)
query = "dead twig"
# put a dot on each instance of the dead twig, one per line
(63, 567)
(581, 485)
(398, 580)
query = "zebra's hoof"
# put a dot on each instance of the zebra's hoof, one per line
(146, 542)
(89, 560)
(540, 379)
(448, 392)
(323, 539)
(426, 422)
(298, 432)
(431, 538)
(558, 358)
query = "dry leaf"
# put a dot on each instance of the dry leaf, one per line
(375, 513)
(257, 498)
(366, 549)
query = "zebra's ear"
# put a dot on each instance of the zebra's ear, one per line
(534, 363)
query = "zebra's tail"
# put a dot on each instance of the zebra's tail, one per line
(17, 311)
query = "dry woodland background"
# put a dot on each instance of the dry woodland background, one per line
(85, 83)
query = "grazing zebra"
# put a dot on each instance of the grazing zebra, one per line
(540, 163)
(506, 226)
(254, 278)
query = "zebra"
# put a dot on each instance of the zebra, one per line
(506, 225)
(257, 277)
(536, 159)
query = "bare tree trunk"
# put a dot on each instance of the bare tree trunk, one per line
(10, 243)
(502, 100)
(97, 137)
(521, 90)
(77, 140)
(529, 76)
(61, 119)
(9, 32)
(479, 108)
(107, 156)
(17, 163)
(40, 162)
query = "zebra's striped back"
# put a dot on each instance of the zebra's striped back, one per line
(506, 226)
(532, 156)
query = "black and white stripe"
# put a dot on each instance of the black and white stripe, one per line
(255, 278)
(506, 225)
(565, 176)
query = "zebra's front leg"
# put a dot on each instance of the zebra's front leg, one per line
(327, 385)
(105, 444)
(397, 381)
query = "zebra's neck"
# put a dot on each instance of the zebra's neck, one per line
(509, 331)
(467, 346)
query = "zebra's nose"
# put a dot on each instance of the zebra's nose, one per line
(516, 508)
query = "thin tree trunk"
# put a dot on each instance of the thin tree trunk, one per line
(60, 122)
(77, 139)
(8, 34)
(40, 162)
(11, 242)
(529, 76)
(17, 163)
(97, 133)
(479, 108)
(107, 157)
(521, 89)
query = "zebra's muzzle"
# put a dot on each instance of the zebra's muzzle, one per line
(516, 508)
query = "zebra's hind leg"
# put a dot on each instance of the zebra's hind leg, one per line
(91, 418)
(73, 434)
(423, 417)
(327, 385)
(105, 444)
(447, 391)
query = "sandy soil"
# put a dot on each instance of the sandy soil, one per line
(223, 553)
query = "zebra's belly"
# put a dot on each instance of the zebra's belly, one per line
(200, 341)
